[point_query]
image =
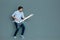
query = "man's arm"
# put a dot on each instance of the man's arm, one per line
(22, 17)
(13, 15)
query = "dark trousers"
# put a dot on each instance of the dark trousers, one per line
(18, 26)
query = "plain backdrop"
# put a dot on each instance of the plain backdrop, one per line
(44, 25)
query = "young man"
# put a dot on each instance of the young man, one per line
(17, 16)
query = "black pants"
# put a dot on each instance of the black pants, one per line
(18, 26)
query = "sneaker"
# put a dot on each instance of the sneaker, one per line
(22, 36)
(15, 37)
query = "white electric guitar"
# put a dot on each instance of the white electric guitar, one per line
(24, 18)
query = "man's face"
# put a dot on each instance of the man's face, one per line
(21, 10)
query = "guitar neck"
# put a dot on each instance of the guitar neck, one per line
(26, 18)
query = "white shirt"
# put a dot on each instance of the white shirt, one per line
(18, 15)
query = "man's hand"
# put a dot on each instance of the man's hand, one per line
(15, 18)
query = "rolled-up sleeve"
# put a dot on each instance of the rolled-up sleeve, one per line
(13, 14)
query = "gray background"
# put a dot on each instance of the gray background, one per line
(44, 25)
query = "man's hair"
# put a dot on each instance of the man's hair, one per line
(20, 7)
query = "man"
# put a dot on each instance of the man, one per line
(17, 16)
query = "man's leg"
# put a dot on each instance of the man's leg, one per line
(16, 25)
(16, 32)
(17, 29)
(23, 29)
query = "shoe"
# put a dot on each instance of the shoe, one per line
(15, 37)
(22, 36)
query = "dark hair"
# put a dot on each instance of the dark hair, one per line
(20, 7)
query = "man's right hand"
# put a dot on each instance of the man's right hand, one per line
(15, 18)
